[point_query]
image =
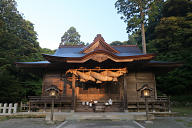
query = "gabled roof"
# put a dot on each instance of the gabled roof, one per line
(98, 51)
(99, 44)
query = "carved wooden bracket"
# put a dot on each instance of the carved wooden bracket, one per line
(99, 57)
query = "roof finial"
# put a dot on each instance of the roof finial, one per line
(99, 35)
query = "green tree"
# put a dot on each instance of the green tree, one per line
(18, 42)
(115, 43)
(71, 37)
(47, 51)
(171, 41)
(137, 13)
(177, 8)
(133, 39)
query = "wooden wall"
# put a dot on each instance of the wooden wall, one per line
(134, 80)
(100, 92)
(50, 79)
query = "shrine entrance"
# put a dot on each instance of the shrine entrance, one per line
(97, 87)
(100, 92)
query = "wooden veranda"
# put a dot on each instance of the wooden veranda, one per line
(64, 103)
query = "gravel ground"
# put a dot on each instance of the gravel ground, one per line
(161, 122)
(26, 123)
(100, 124)
(169, 122)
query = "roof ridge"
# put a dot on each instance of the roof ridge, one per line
(71, 46)
(125, 45)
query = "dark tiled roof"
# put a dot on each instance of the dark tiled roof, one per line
(73, 51)
(164, 62)
(128, 49)
(37, 62)
(98, 50)
(69, 52)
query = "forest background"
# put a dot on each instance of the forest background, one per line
(168, 35)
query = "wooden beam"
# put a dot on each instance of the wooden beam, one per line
(125, 93)
(98, 69)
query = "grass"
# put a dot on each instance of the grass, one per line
(188, 124)
(7, 117)
(179, 120)
(186, 112)
(2, 118)
(185, 122)
(183, 111)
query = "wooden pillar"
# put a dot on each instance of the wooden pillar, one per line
(60, 105)
(45, 106)
(147, 108)
(169, 104)
(153, 106)
(21, 106)
(29, 107)
(137, 106)
(125, 93)
(73, 93)
(52, 108)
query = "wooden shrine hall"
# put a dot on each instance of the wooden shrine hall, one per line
(98, 77)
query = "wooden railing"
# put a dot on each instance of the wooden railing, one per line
(163, 98)
(165, 102)
(162, 103)
(49, 99)
(37, 103)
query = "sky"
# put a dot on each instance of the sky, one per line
(52, 18)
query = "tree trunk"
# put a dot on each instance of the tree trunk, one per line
(143, 38)
(142, 28)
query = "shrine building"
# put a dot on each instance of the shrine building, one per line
(110, 76)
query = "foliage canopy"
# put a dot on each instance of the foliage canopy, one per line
(171, 41)
(18, 42)
(71, 37)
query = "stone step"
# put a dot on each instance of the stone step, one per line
(99, 116)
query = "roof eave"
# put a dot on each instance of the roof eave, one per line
(91, 55)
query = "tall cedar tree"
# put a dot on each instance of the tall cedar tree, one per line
(137, 13)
